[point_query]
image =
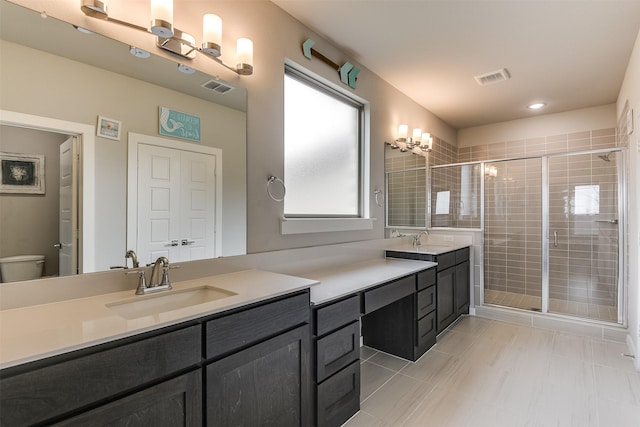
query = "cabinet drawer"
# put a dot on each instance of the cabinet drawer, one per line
(446, 260)
(386, 294)
(426, 278)
(243, 328)
(338, 398)
(66, 386)
(331, 317)
(427, 331)
(337, 350)
(426, 301)
(462, 255)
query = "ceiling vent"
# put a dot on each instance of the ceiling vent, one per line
(493, 77)
(216, 86)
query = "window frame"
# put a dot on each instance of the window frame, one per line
(317, 84)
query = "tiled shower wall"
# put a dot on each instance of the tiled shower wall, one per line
(583, 267)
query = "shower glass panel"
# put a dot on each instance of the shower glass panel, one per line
(513, 233)
(583, 235)
(455, 196)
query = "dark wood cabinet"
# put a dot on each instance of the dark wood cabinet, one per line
(336, 361)
(452, 283)
(66, 385)
(445, 290)
(266, 384)
(462, 288)
(245, 366)
(176, 402)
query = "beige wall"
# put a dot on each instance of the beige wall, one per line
(30, 221)
(277, 37)
(67, 90)
(630, 96)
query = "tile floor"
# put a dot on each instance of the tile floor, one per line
(489, 373)
(527, 302)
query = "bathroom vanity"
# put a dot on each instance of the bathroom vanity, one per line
(260, 346)
(201, 370)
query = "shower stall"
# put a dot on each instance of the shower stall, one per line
(552, 229)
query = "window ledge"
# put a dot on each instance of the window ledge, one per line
(324, 225)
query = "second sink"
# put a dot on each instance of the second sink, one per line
(172, 300)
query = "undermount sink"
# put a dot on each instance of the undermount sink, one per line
(149, 305)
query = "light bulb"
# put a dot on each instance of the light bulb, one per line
(162, 18)
(212, 34)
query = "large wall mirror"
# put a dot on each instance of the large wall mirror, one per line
(56, 82)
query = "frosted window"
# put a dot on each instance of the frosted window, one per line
(587, 200)
(322, 152)
(442, 202)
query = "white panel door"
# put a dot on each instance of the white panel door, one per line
(176, 204)
(197, 216)
(158, 203)
(68, 219)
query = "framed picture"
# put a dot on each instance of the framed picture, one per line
(22, 173)
(108, 128)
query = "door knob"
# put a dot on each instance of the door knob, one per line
(58, 245)
(186, 242)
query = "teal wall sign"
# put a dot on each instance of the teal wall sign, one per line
(179, 125)
(348, 72)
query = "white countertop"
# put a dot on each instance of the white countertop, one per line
(39, 331)
(428, 249)
(345, 280)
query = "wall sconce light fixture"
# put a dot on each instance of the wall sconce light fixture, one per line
(490, 171)
(420, 143)
(179, 42)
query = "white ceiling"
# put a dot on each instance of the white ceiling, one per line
(568, 54)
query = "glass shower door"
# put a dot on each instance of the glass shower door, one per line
(513, 233)
(583, 235)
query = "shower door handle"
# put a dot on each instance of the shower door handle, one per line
(608, 221)
(555, 239)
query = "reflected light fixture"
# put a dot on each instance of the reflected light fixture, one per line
(420, 143)
(490, 171)
(179, 42)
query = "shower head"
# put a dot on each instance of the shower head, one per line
(605, 157)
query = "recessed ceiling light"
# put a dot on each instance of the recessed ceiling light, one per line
(138, 53)
(536, 105)
(186, 69)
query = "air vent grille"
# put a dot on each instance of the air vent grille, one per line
(493, 77)
(216, 86)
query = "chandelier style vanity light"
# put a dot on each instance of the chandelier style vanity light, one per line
(179, 42)
(419, 143)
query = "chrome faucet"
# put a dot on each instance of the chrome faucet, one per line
(416, 238)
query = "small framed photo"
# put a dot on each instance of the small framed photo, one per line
(21, 173)
(108, 128)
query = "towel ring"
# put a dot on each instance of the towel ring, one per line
(270, 181)
(378, 194)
